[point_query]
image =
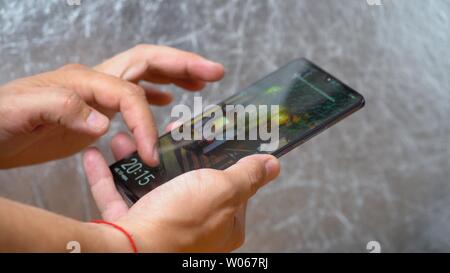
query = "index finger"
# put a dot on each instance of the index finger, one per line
(118, 95)
(162, 64)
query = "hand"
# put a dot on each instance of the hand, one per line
(56, 114)
(199, 211)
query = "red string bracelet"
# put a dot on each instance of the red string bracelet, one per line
(128, 235)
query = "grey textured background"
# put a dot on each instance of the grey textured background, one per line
(383, 174)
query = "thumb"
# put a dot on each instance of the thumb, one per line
(68, 109)
(251, 173)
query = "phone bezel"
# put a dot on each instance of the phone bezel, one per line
(328, 122)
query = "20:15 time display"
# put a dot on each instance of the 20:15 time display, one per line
(135, 168)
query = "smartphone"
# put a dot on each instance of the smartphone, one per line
(310, 100)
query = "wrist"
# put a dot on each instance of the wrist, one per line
(105, 238)
(147, 237)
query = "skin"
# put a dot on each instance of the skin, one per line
(56, 114)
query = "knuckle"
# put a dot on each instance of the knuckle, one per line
(73, 67)
(135, 91)
(207, 174)
(203, 174)
(254, 176)
(142, 48)
(226, 190)
(71, 101)
(138, 91)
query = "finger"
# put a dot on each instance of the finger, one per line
(188, 84)
(136, 72)
(143, 61)
(155, 96)
(65, 107)
(251, 173)
(172, 126)
(113, 93)
(122, 146)
(108, 200)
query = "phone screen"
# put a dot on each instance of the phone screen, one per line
(309, 100)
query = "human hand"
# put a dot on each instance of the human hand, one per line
(199, 211)
(58, 113)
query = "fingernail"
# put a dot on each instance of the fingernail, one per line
(97, 121)
(209, 62)
(271, 167)
(156, 155)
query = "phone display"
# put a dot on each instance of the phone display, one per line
(309, 100)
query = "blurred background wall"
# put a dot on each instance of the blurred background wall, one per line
(383, 174)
